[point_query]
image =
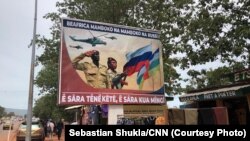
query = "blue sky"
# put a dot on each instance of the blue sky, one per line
(16, 26)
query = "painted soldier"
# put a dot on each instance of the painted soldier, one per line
(116, 80)
(95, 73)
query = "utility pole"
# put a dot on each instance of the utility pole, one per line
(30, 100)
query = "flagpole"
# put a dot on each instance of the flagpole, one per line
(31, 85)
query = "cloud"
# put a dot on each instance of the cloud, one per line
(17, 21)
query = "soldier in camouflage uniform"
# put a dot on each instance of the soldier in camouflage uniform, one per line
(95, 73)
(116, 80)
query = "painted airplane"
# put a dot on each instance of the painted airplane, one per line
(77, 47)
(111, 37)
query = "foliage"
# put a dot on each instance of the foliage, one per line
(10, 114)
(2, 112)
(46, 108)
(212, 77)
(215, 31)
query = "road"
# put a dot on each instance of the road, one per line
(55, 137)
(10, 135)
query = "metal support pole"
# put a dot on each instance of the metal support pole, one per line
(30, 100)
(76, 117)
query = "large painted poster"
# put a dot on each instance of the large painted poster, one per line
(103, 63)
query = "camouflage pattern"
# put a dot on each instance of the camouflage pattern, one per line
(114, 79)
(96, 77)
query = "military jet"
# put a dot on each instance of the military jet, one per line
(93, 41)
(111, 37)
(77, 47)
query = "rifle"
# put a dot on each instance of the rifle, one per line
(117, 80)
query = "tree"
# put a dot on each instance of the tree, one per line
(2, 112)
(46, 108)
(216, 31)
(10, 114)
(212, 77)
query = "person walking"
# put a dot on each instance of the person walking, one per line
(50, 129)
(59, 128)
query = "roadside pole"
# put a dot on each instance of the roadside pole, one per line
(10, 127)
(30, 100)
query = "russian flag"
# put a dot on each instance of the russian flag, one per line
(138, 52)
(138, 59)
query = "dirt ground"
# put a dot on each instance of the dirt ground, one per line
(55, 137)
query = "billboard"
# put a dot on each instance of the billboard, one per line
(103, 63)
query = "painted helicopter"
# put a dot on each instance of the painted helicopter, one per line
(93, 41)
(77, 47)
